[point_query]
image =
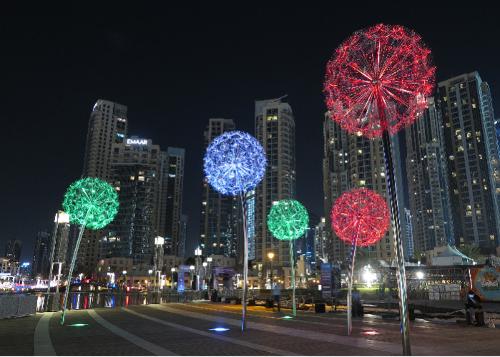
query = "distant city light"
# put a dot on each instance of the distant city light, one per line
(420, 275)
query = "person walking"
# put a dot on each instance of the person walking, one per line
(277, 296)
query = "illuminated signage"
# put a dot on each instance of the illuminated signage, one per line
(137, 141)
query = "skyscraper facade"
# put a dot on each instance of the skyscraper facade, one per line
(173, 204)
(428, 188)
(472, 159)
(352, 161)
(275, 130)
(136, 175)
(41, 255)
(13, 249)
(219, 214)
(107, 126)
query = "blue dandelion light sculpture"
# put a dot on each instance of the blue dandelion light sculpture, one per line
(234, 163)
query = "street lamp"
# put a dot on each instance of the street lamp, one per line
(209, 261)
(159, 242)
(197, 253)
(205, 264)
(125, 278)
(172, 270)
(191, 269)
(270, 255)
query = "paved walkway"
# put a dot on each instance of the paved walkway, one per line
(185, 329)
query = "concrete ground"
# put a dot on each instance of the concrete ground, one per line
(184, 329)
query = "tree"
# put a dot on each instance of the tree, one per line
(470, 250)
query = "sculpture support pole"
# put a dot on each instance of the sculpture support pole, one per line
(52, 250)
(292, 267)
(398, 241)
(245, 264)
(70, 273)
(349, 287)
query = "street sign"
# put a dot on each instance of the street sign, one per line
(326, 280)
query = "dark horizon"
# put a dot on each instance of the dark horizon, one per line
(177, 68)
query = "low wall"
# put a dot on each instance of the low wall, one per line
(17, 305)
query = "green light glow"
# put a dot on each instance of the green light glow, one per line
(288, 220)
(91, 202)
(78, 325)
(287, 317)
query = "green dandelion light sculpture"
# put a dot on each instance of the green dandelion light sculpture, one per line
(91, 203)
(288, 220)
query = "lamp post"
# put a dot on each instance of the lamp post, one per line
(191, 269)
(125, 279)
(209, 261)
(270, 255)
(205, 264)
(197, 253)
(172, 270)
(159, 241)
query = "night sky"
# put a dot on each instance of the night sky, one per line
(177, 67)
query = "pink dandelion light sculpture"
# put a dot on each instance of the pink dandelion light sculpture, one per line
(360, 217)
(379, 79)
(376, 83)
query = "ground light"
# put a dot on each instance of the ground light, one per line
(219, 329)
(78, 325)
(287, 317)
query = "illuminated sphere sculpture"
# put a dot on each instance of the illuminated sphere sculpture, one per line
(91, 202)
(234, 163)
(379, 79)
(360, 216)
(287, 220)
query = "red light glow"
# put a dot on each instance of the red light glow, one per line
(379, 79)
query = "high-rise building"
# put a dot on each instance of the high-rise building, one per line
(352, 161)
(275, 130)
(136, 175)
(409, 245)
(61, 241)
(321, 246)
(427, 175)
(41, 254)
(219, 213)
(473, 165)
(173, 204)
(107, 126)
(336, 180)
(183, 235)
(13, 249)
(497, 126)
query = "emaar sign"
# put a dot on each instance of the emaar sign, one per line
(137, 141)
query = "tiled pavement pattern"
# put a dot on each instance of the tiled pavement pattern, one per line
(183, 329)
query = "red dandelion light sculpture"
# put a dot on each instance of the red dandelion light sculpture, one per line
(379, 79)
(360, 217)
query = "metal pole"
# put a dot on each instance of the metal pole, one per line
(292, 267)
(398, 241)
(349, 287)
(245, 264)
(52, 249)
(70, 273)
(58, 277)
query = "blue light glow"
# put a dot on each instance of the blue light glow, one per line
(234, 163)
(219, 329)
